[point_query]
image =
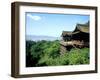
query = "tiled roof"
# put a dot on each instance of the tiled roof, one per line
(79, 28)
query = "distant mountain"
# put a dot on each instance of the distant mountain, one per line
(41, 37)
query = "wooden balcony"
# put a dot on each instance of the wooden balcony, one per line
(74, 42)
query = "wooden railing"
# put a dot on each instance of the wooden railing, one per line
(74, 42)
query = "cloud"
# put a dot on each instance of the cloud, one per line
(36, 18)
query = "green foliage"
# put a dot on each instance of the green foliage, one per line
(47, 53)
(79, 56)
(28, 46)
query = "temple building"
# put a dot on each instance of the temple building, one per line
(78, 38)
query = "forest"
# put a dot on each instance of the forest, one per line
(47, 53)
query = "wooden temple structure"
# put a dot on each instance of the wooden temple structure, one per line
(78, 38)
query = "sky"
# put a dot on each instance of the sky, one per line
(52, 24)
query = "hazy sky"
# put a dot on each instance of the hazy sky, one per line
(52, 24)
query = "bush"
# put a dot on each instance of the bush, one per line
(79, 56)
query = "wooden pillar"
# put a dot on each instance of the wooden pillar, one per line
(63, 49)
